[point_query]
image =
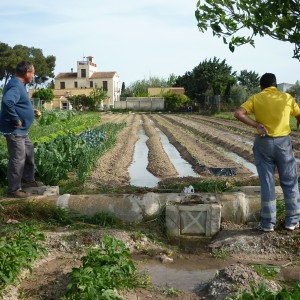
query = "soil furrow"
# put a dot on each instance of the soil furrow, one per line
(201, 155)
(159, 162)
(229, 142)
(112, 168)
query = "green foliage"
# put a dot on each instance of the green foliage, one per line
(103, 270)
(97, 95)
(266, 271)
(221, 253)
(295, 90)
(211, 76)
(139, 88)
(261, 293)
(276, 19)
(43, 212)
(17, 251)
(44, 94)
(104, 219)
(174, 101)
(248, 79)
(81, 102)
(11, 56)
(172, 292)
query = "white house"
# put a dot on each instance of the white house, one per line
(83, 81)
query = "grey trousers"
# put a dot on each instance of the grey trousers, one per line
(21, 161)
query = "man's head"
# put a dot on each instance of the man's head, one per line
(25, 71)
(267, 80)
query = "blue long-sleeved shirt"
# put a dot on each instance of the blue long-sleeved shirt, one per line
(15, 106)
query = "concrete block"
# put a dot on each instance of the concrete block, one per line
(193, 219)
(43, 190)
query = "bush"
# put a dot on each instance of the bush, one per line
(175, 101)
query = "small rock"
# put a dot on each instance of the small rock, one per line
(166, 259)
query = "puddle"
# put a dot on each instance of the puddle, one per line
(194, 274)
(139, 175)
(183, 168)
(184, 274)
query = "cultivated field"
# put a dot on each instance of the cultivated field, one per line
(202, 141)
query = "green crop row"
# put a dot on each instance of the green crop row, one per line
(56, 158)
(18, 249)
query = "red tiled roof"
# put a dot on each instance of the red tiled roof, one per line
(103, 75)
(66, 75)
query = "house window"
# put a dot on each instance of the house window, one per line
(75, 84)
(83, 73)
(91, 84)
(104, 85)
(64, 105)
(62, 85)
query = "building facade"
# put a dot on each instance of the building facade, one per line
(83, 81)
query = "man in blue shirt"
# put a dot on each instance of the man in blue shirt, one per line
(16, 117)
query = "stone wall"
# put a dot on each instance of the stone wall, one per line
(141, 103)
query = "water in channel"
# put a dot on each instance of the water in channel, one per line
(140, 176)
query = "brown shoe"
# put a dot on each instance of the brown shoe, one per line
(29, 184)
(17, 194)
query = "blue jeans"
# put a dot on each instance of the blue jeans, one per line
(270, 152)
(21, 161)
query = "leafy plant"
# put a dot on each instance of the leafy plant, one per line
(261, 293)
(103, 270)
(17, 251)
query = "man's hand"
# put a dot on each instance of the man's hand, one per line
(18, 124)
(262, 130)
(37, 113)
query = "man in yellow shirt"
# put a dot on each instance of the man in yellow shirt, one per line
(273, 148)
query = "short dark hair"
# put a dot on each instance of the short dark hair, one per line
(23, 67)
(267, 80)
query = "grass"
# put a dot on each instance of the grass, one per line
(221, 253)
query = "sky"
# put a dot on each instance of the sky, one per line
(136, 38)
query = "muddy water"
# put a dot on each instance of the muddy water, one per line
(194, 274)
(183, 274)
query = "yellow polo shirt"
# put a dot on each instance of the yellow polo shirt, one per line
(273, 109)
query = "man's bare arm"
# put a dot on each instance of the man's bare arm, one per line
(241, 115)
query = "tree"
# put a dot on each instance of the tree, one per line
(98, 95)
(210, 76)
(139, 88)
(11, 56)
(44, 94)
(80, 102)
(295, 90)
(171, 80)
(248, 79)
(277, 19)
